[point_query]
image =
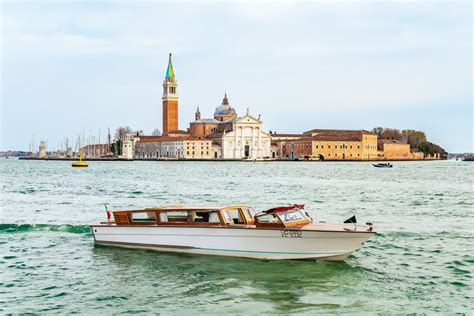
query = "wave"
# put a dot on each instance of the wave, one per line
(22, 228)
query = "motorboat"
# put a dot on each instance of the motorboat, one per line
(383, 165)
(286, 232)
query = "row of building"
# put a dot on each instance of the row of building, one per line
(226, 135)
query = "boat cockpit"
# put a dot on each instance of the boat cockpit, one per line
(283, 216)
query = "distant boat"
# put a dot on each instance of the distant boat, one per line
(468, 157)
(80, 163)
(383, 165)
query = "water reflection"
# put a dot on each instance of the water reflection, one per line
(208, 279)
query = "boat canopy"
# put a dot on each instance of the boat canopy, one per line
(284, 208)
(283, 217)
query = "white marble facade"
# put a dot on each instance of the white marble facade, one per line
(246, 140)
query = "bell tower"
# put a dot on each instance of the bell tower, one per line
(170, 100)
(197, 115)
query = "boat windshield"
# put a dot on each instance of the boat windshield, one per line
(292, 216)
(268, 219)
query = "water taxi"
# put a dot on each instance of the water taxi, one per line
(286, 232)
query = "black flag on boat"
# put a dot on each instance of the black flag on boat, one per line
(351, 220)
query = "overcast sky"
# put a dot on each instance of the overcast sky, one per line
(72, 67)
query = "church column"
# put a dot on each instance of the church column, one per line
(242, 142)
(235, 141)
(260, 154)
(253, 147)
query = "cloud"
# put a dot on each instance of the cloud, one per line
(310, 58)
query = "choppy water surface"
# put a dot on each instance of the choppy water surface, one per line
(421, 261)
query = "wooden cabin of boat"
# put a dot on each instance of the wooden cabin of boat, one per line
(228, 216)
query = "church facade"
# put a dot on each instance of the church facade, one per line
(238, 137)
(246, 140)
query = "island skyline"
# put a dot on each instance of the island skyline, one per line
(82, 75)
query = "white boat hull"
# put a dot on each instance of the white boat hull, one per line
(235, 242)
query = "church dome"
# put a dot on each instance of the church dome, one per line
(224, 111)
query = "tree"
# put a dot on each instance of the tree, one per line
(121, 132)
(431, 149)
(378, 131)
(156, 132)
(391, 133)
(138, 132)
(415, 138)
(387, 133)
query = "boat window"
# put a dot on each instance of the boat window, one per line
(144, 217)
(201, 217)
(292, 216)
(236, 218)
(227, 217)
(269, 219)
(251, 212)
(214, 217)
(177, 216)
(163, 217)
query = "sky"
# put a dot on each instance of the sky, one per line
(76, 67)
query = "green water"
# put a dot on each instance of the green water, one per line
(422, 260)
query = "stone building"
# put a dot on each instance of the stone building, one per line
(127, 144)
(42, 150)
(222, 120)
(237, 137)
(331, 145)
(391, 149)
(159, 147)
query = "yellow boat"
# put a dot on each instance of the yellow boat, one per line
(80, 163)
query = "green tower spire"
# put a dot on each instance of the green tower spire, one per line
(170, 71)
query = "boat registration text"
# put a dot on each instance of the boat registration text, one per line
(291, 234)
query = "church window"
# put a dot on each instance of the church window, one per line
(329, 146)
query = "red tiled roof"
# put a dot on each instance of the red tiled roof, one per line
(337, 131)
(178, 132)
(286, 135)
(157, 139)
(392, 141)
(328, 138)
